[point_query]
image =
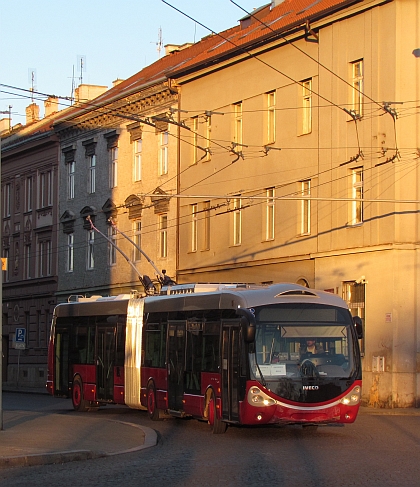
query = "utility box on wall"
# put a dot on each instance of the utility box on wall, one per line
(378, 364)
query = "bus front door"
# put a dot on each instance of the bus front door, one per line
(176, 364)
(230, 371)
(105, 361)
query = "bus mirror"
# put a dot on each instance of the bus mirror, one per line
(247, 324)
(359, 326)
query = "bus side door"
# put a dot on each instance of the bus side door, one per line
(176, 364)
(231, 354)
(105, 361)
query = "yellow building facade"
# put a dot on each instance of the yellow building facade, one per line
(299, 162)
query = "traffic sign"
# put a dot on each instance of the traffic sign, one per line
(20, 338)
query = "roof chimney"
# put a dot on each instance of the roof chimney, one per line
(5, 125)
(50, 105)
(117, 81)
(274, 3)
(84, 93)
(32, 113)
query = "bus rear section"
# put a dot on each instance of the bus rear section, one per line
(86, 352)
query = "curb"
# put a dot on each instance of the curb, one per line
(150, 440)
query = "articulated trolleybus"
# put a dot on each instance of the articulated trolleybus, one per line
(225, 354)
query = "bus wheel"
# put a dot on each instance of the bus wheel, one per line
(79, 403)
(216, 424)
(152, 410)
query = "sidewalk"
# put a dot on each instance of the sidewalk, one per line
(36, 438)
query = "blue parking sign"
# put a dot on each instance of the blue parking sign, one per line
(20, 335)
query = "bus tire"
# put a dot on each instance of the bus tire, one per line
(217, 426)
(79, 402)
(152, 410)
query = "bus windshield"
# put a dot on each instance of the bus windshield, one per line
(302, 341)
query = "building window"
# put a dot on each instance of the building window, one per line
(92, 174)
(354, 293)
(357, 87)
(45, 258)
(70, 252)
(113, 175)
(6, 275)
(208, 137)
(269, 214)
(271, 117)
(27, 261)
(90, 254)
(206, 225)
(356, 204)
(29, 189)
(112, 249)
(163, 236)
(195, 127)
(45, 196)
(237, 222)
(307, 106)
(194, 236)
(71, 170)
(137, 240)
(237, 123)
(163, 158)
(138, 147)
(305, 207)
(7, 200)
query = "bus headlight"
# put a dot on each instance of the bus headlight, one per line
(353, 397)
(256, 397)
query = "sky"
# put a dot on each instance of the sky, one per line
(44, 42)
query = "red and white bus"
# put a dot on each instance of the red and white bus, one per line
(226, 354)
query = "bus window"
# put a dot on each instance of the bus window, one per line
(211, 343)
(193, 356)
(155, 345)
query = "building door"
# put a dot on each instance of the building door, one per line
(176, 364)
(230, 371)
(5, 357)
(105, 362)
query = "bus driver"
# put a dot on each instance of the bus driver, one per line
(311, 347)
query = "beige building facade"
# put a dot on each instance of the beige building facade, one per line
(304, 168)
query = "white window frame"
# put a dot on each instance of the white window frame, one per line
(137, 161)
(7, 200)
(195, 128)
(70, 253)
(206, 225)
(163, 235)
(90, 264)
(163, 153)
(208, 138)
(194, 229)
(237, 123)
(71, 172)
(237, 221)
(356, 204)
(270, 214)
(45, 189)
(28, 261)
(305, 207)
(137, 240)
(271, 117)
(357, 81)
(29, 191)
(113, 174)
(92, 174)
(306, 106)
(112, 251)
